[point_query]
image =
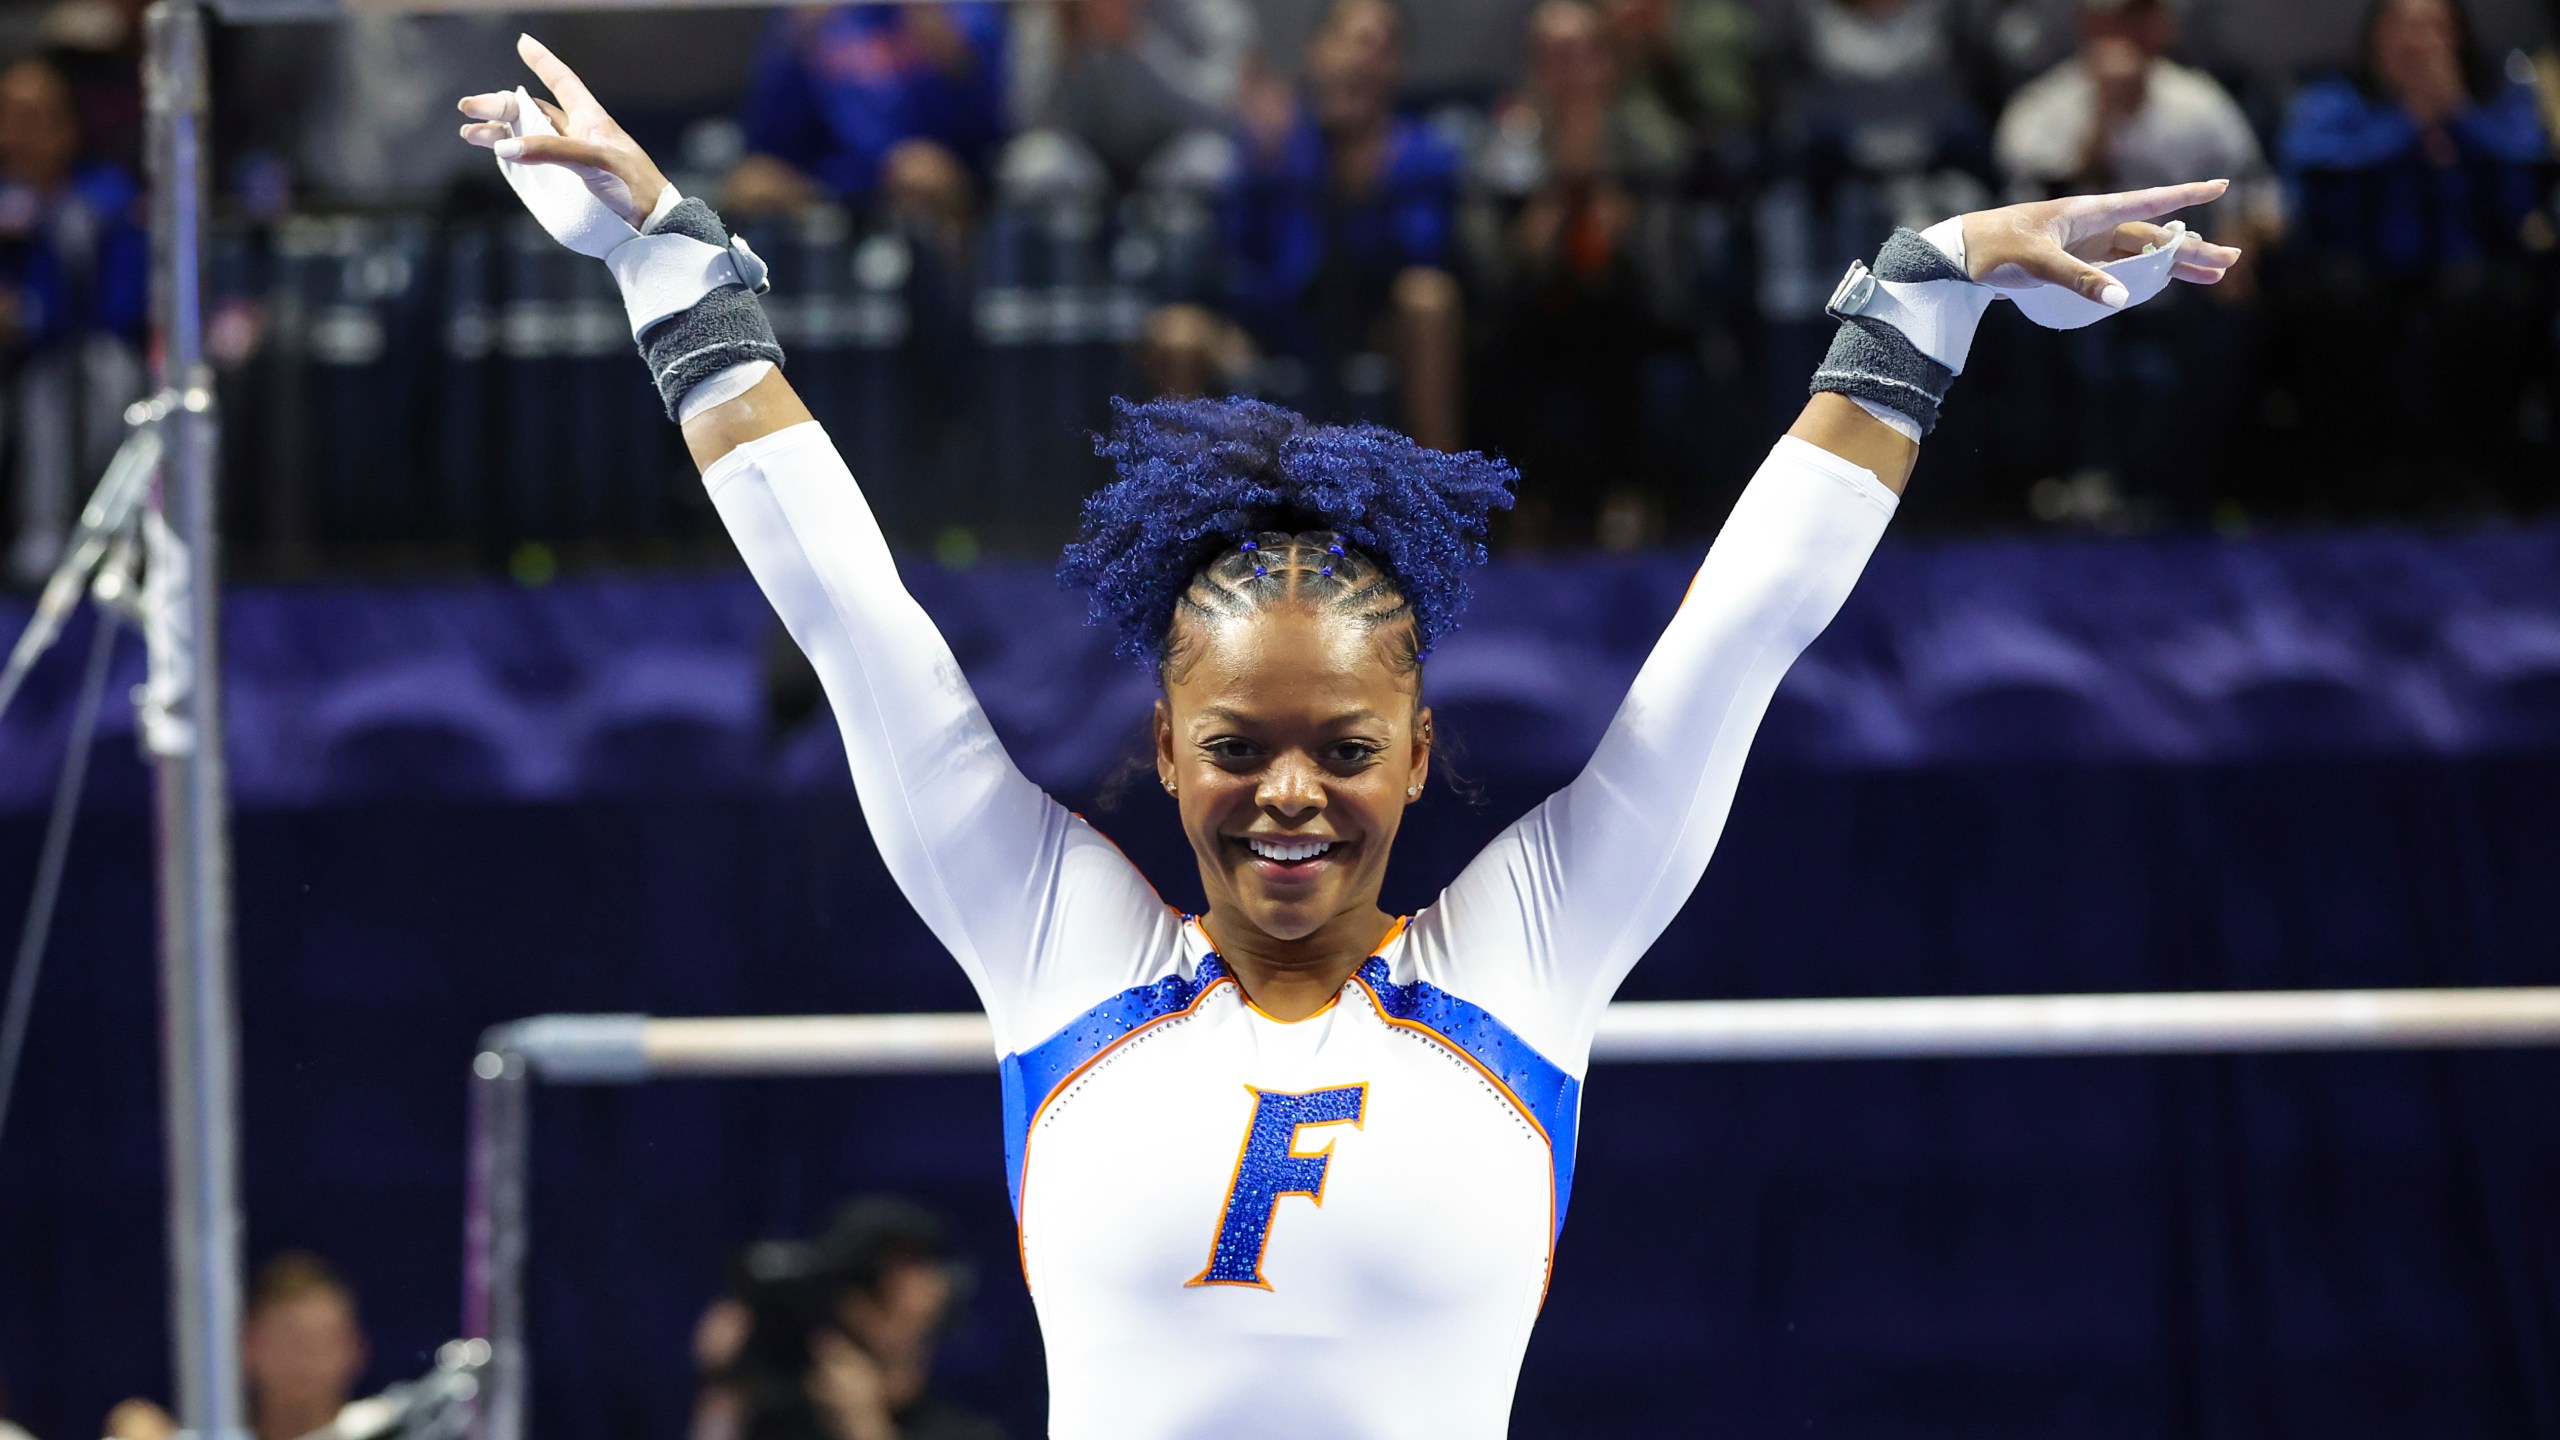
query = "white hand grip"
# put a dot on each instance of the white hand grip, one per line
(2059, 307)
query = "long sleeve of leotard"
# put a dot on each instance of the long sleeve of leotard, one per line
(1542, 926)
(1040, 909)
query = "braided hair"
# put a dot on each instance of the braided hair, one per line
(1221, 507)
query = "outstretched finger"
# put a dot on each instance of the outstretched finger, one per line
(486, 134)
(553, 150)
(2205, 252)
(2098, 211)
(2203, 269)
(500, 106)
(562, 80)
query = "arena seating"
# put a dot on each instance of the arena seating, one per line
(2086, 652)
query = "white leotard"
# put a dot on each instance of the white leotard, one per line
(1340, 1228)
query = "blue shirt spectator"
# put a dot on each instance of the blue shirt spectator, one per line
(835, 90)
(2364, 180)
(75, 291)
(77, 261)
(1337, 217)
(74, 258)
(1294, 237)
(2419, 164)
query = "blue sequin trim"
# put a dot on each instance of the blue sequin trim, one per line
(1552, 1097)
(1032, 1076)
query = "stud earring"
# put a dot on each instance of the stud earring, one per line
(1169, 790)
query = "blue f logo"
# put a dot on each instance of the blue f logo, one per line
(1271, 1165)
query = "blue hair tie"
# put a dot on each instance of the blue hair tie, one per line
(1250, 546)
(1335, 550)
(1259, 572)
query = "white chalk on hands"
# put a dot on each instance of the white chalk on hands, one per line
(567, 199)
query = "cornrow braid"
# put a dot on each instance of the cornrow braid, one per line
(1311, 566)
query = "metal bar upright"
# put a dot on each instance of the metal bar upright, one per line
(494, 1227)
(182, 728)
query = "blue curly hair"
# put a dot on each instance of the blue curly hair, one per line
(1220, 506)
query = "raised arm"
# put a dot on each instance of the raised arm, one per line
(1041, 910)
(1543, 926)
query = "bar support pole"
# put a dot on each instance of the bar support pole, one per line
(182, 729)
(494, 1233)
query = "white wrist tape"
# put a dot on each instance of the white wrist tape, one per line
(1939, 315)
(668, 200)
(722, 388)
(1899, 422)
(1905, 328)
(668, 274)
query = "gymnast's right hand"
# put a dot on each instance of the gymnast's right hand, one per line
(575, 169)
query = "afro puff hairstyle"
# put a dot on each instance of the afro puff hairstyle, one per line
(1198, 478)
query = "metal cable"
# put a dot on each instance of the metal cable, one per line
(57, 851)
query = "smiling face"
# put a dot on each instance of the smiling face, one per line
(1292, 736)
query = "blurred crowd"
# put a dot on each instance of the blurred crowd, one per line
(1606, 258)
(832, 1338)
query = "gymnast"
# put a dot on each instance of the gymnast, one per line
(1288, 1165)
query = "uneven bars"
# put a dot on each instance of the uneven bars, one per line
(606, 1048)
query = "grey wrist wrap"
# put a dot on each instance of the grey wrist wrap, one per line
(726, 327)
(1873, 361)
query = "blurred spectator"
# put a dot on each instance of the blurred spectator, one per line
(2418, 306)
(1575, 240)
(1686, 67)
(2120, 115)
(1880, 87)
(900, 102)
(2128, 422)
(74, 292)
(301, 1352)
(1338, 232)
(834, 1339)
(302, 1347)
(2427, 158)
(98, 45)
(1123, 81)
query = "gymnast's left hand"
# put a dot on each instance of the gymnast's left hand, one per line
(617, 172)
(2062, 242)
